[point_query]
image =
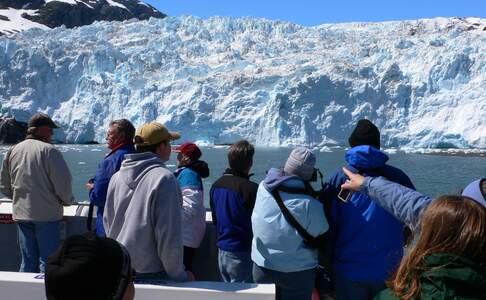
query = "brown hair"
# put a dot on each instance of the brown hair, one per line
(240, 156)
(126, 127)
(140, 147)
(450, 224)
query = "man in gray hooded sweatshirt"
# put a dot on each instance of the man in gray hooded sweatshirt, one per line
(143, 207)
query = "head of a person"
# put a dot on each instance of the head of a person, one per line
(187, 153)
(89, 267)
(301, 162)
(120, 132)
(476, 190)
(154, 137)
(41, 127)
(451, 224)
(240, 156)
(365, 133)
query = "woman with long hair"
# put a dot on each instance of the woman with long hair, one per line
(448, 257)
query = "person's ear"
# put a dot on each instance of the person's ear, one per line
(129, 292)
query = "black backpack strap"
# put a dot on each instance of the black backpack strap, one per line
(89, 221)
(309, 240)
(290, 190)
(308, 190)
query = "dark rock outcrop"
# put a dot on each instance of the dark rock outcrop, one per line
(54, 14)
(84, 12)
(12, 131)
(21, 4)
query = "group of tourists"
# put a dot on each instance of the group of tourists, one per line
(153, 220)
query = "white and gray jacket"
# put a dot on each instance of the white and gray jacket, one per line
(37, 179)
(143, 212)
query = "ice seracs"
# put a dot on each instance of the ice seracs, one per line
(422, 82)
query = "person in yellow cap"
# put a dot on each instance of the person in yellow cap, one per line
(143, 207)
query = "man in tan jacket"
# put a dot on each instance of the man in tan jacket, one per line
(37, 179)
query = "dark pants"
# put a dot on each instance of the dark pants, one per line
(188, 257)
(290, 285)
(347, 289)
(235, 266)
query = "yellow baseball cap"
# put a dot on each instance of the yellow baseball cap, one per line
(154, 133)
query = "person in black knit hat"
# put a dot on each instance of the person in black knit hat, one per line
(365, 133)
(366, 241)
(89, 267)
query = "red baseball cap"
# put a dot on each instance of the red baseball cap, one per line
(189, 149)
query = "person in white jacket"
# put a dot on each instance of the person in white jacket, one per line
(189, 173)
(144, 207)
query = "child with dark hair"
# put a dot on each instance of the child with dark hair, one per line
(89, 267)
(232, 198)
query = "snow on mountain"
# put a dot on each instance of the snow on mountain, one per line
(422, 82)
(12, 21)
(19, 15)
(114, 3)
(71, 2)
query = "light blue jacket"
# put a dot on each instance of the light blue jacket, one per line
(276, 245)
(403, 203)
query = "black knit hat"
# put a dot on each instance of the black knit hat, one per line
(365, 133)
(87, 267)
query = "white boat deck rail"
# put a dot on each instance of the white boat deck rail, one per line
(30, 286)
(74, 222)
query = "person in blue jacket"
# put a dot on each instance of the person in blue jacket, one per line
(366, 241)
(446, 260)
(232, 198)
(120, 141)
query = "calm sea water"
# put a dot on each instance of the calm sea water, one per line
(431, 174)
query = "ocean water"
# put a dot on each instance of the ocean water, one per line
(432, 175)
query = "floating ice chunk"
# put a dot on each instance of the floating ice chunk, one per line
(326, 149)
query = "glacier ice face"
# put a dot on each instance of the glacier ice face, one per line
(276, 83)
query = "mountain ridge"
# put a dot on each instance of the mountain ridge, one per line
(18, 15)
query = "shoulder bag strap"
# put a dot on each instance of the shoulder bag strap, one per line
(308, 239)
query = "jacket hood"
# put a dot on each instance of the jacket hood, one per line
(136, 165)
(365, 157)
(200, 167)
(448, 271)
(276, 177)
(475, 192)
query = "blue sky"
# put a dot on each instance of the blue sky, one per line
(314, 12)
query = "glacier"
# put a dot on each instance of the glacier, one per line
(423, 82)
